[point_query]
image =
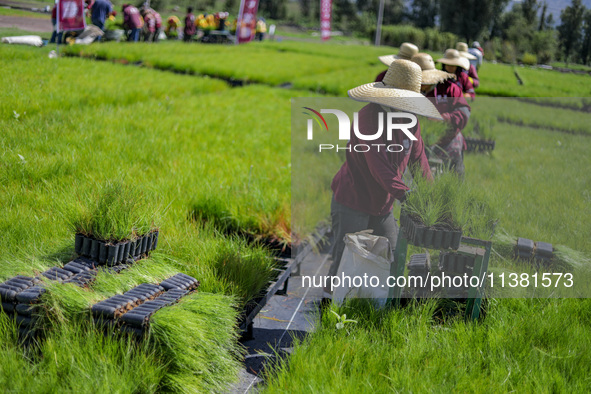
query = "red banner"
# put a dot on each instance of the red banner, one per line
(70, 15)
(325, 16)
(247, 21)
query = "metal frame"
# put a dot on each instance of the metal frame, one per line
(479, 248)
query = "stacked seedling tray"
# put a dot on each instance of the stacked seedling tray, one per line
(429, 237)
(419, 266)
(113, 253)
(457, 264)
(131, 311)
(479, 145)
(541, 253)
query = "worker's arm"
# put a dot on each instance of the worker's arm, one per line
(418, 163)
(385, 172)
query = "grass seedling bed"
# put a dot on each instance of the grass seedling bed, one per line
(437, 213)
(102, 252)
(131, 311)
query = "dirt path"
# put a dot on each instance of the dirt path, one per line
(25, 23)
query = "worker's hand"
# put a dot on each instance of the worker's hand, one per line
(446, 117)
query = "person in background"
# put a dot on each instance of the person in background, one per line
(462, 47)
(157, 24)
(453, 63)
(99, 12)
(477, 51)
(55, 35)
(261, 29)
(149, 25)
(190, 29)
(173, 24)
(132, 22)
(368, 183)
(447, 97)
(406, 52)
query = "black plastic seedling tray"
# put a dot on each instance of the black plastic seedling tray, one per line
(479, 145)
(429, 237)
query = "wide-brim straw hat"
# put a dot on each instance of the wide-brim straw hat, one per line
(400, 89)
(462, 47)
(406, 52)
(452, 57)
(431, 76)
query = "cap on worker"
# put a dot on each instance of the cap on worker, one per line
(452, 57)
(400, 89)
(462, 47)
(475, 44)
(406, 51)
(431, 76)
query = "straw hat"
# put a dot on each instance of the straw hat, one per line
(431, 76)
(453, 58)
(406, 51)
(400, 89)
(462, 47)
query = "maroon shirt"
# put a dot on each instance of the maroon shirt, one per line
(464, 83)
(474, 75)
(190, 25)
(132, 18)
(450, 102)
(370, 182)
(381, 76)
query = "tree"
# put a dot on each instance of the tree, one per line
(586, 47)
(424, 12)
(468, 18)
(569, 31)
(274, 9)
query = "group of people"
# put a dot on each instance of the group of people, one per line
(368, 183)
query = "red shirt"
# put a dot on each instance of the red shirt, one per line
(464, 83)
(132, 18)
(370, 182)
(190, 25)
(381, 76)
(451, 104)
(474, 75)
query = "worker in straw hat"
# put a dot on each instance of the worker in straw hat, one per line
(454, 63)
(406, 52)
(368, 183)
(462, 47)
(447, 97)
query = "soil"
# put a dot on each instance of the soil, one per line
(26, 23)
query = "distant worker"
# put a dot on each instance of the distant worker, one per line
(158, 25)
(447, 97)
(453, 63)
(406, 52)
(149, 25)
(462, 47)
(173, 24)
(100, 10)
(477, 51)
(261, 29)
(190, 29)
(55, 35)
(132, 22)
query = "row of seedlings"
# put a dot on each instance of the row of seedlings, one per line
(113, 253)
(131, 311)
(539, 252)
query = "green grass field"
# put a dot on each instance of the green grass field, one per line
(205, 154)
